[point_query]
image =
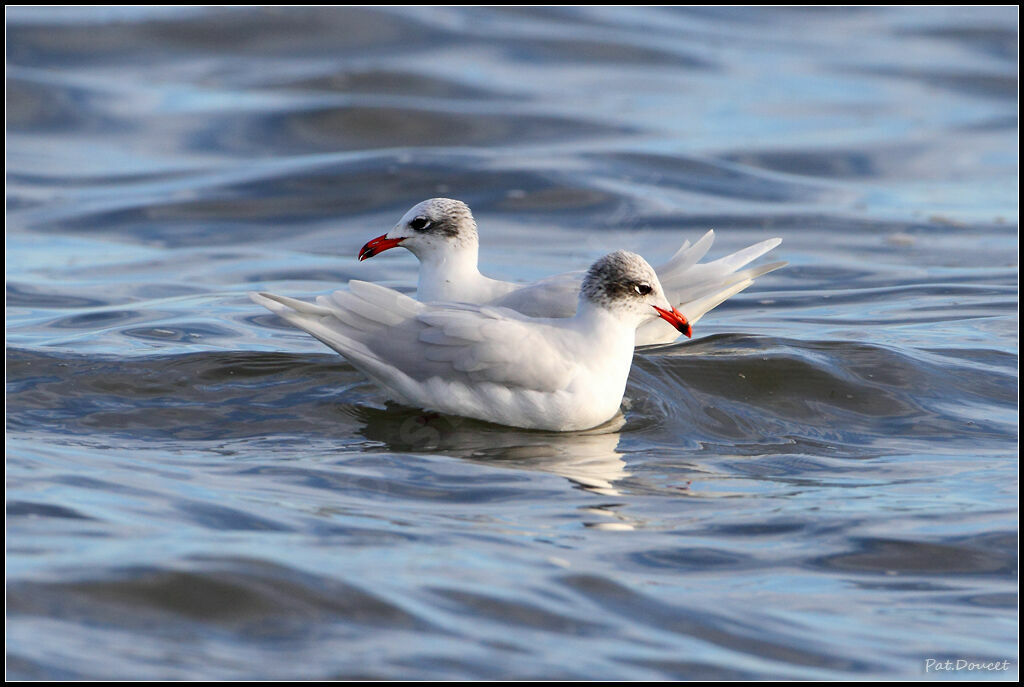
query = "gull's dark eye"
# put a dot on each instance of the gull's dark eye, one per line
(420, 223)
(642, 289)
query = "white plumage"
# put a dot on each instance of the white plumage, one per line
(442, 233)
(490, 362)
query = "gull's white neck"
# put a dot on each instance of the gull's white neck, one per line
(450, 275)
(609, 328)
(604, 346)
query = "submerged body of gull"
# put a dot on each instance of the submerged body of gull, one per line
(442, 233)
(493, 363)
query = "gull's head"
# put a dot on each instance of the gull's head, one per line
(435, 225)
(625, 284)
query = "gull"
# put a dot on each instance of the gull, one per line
(442, 234)
(494, 363)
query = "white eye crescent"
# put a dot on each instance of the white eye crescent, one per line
(642, 289)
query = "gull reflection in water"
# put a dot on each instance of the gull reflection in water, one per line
(589, 459)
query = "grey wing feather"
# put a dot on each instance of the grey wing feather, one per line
(554, 296)
(400, 341)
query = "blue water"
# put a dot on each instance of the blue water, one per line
(821, 484)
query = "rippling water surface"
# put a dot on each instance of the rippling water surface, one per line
(821, 484)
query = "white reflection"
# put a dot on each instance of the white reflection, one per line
(589, 458)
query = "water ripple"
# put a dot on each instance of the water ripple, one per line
(821, 485)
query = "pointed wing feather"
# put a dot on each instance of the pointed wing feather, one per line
(697, 288)
(686, 257)
(694, 287)
(697, 280)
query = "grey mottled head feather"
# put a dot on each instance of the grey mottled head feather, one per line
(448, 217)
(614, 279)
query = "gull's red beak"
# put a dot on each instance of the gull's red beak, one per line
(378, 245)
(676, 319)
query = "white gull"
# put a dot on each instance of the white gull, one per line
(493, 363)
